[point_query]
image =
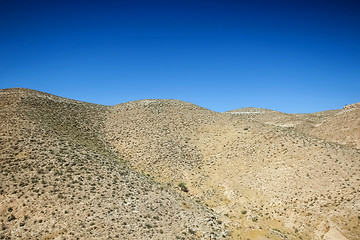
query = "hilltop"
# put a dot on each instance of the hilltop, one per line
(74, 169)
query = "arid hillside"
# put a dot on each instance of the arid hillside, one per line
(167, 169)
(59, 179)
(341, 126)
(282, 178)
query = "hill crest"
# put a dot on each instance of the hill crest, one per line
(243, 176)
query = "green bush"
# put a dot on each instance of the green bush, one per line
(183, 187)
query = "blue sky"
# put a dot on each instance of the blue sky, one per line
(290, 56)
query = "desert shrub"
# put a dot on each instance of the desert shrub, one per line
(11, 217)
(183, 187)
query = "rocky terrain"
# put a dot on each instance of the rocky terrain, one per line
(167, 169)
(60, 180)
(341, 126)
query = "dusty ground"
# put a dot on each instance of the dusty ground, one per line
(92, 171)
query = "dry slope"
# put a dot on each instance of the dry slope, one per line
(79, 170)
(341, 126)
(268, 182)
(59, 179)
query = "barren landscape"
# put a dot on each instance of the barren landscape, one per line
(168, 169)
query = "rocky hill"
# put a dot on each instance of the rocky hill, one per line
(341, 126)
(167, 169)
(59, 179)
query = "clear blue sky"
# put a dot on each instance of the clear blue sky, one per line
(286, 55)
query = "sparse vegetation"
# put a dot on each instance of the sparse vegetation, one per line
(107, 172)
(65, 174)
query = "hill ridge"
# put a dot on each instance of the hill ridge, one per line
(241, 177)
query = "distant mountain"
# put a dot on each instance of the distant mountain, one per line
(341, 126)
(168, 169)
